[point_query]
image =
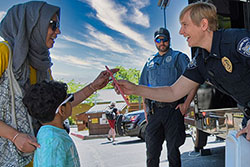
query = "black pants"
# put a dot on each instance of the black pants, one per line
(165, 124)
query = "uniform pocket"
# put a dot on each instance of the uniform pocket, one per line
(152, 73)
(168, 74)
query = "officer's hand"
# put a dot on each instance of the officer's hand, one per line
(26, 143)
(245, 130)
(183, 108)
(126, 87)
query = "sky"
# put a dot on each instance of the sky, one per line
(95, 33)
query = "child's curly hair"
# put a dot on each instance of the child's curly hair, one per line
(42, 99)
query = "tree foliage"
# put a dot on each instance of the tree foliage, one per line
(131, 75)
(76, 86)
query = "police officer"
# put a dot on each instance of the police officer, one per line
(165, 121)
(222, 60)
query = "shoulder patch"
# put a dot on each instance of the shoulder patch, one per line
(192, 64)
(244, 47)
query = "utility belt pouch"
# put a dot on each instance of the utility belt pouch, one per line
(150, 106)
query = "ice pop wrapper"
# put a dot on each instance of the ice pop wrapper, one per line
(117, 85)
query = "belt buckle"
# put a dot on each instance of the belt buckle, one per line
(162, 105)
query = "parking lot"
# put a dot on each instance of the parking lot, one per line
(130, 152)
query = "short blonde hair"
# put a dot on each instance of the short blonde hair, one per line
(199, 11)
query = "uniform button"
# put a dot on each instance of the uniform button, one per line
(215, 55)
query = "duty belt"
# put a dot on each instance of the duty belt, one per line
(152, 104)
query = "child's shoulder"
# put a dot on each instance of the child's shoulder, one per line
(51, 133)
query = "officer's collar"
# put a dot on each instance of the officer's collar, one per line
(215, 49)
(168, 53)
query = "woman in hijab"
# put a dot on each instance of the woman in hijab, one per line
(29, 31)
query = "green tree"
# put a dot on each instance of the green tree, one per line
(131, 75)
(75, 86)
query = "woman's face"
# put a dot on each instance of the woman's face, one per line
(53, 30)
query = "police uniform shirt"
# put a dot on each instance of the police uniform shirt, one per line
(227, 66)
(164, 70)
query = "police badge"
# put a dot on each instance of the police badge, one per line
(227, 64)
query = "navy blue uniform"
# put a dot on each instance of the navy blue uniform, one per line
(165, 123)
(227, 66)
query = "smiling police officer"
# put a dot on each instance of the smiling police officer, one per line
(165, 120)
(222, 60)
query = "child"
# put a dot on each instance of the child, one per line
(49, 103)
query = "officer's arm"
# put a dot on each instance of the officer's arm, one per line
(164, 94)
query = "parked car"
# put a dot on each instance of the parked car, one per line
(132, 124)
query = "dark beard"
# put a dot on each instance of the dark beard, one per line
(163, 50)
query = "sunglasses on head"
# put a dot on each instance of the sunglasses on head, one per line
(54, 24)
(158, 40)
(70, 98)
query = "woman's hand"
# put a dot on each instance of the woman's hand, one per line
(25, 143)
(102, 80)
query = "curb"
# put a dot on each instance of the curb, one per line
(83, 137)
(78, 135)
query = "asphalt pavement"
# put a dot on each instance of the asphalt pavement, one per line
(130, 152)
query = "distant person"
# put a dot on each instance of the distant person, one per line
(30, 30)
(165, 120)
(111, 115)
(50, 104)
(222, 59)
